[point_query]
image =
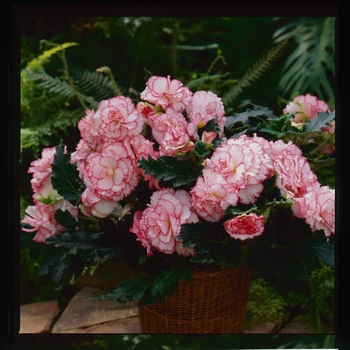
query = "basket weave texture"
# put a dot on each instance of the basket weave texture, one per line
(215, 302)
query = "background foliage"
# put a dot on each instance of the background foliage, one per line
(68, 64)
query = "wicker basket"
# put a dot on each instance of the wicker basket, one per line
(215, 302)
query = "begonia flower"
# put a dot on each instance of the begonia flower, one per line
(117, 118)
(41, 218)
(113, 172)
(305, 108)
(245, 226)
(317, 207)
(41, 168)
(161, 221)
(294, 176)
(94, 205)
(205, 106)
(167, 93)
(170, 132)
(242, 162)
(212, 195)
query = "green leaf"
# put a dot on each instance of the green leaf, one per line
(169, 168)
(317, 246)
(243, 118)
(65, 219)
(316, 124)
(65, 177)
(170, 277)
(288, 249)
(128, 291)
(239, 210)
(148, 74)
(202, 150)
(212, 244)
(91, 247)
(279, 126)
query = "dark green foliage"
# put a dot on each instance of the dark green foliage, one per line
(212, 244)
(147, 288)
(288, 251)
(65, 178)
(311, 66)
(170, 168)
(265, 305)
(218, 54)
(316, 124)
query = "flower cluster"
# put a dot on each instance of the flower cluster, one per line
(41, 216)
(197, 170)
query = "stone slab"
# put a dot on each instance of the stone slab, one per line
(82, 314)
(260, 328)
(295, 327)
(38, 317)
(123, 326)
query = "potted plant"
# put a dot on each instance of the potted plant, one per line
(192, 199)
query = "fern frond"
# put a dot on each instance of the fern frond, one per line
(93, 84)
(255, 71)
(39, 61)
(57, 86)
(312, 62)
(113, 84)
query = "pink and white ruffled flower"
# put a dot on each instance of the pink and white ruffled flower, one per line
(279, 148)
(117, 118)
(317, 207)
(244, 163)
(294, 176)
(94, 205)
(41, 168)
(46, 193)
(305, 108)
(158, 225)
(86, 127)
(167, 93)
(205, 106)
(170, 132)
(245, 226)
(113, 172)
(41, 218)
(212, 195)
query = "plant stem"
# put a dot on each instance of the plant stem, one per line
(85, 218)
(70, 81)
(320, 146)
(108, 71)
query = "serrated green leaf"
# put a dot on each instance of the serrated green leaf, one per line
(65, 177)
(289, 266)
(148, 74)
(243, 118)
(288, 249)
(65, 219)
(91, 247)
(201, 150)
(317, 246)
(212, 244)
(148, 298)
(128, 291)
(238, 210)
(169, 168)
(278, 126)
(169, 278)
(316, 124)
